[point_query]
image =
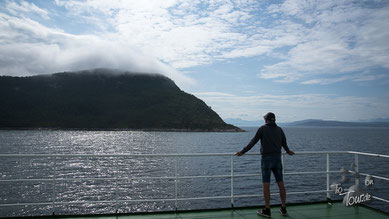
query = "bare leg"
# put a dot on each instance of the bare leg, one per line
(282, 193)
(266, 193)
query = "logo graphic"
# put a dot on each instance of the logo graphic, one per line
(354, 195)
(369, 181)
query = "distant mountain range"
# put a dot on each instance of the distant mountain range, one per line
(244, 123)
(380, 122)
(329, 123)
(103, 99)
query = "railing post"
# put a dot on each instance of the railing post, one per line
(328, 177)
(117, 185)
(54, 179)
(356, 169)
(175, 182)
(232, 181)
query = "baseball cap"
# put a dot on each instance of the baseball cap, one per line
(270, 116)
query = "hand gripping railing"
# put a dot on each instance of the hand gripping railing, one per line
(176, 177)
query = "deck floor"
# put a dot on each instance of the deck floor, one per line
(312, 211)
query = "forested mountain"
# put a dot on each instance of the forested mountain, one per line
(103, 99)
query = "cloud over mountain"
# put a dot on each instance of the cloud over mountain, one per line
(308, 39)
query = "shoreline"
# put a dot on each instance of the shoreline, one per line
(121, 129)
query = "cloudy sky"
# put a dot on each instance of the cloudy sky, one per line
(300, 59)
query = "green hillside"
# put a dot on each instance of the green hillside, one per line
(103, 99)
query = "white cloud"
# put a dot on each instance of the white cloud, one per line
(323, 81)
(179, 33)
(342, 38)
(356, 78)
(25, 7)
(307, 40)
(28, 47)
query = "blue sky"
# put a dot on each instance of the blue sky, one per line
(299, 59)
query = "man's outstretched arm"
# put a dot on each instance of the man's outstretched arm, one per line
(253, 141)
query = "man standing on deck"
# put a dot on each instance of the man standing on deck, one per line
(272, 139)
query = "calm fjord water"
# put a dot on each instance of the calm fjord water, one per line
(374, 140)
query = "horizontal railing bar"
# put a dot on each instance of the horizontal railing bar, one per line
(172, 177)
(246, 175)
(152, 200)
(209, 176)
(162, 155)
(132, 178)
(306, 192)
(123, 155)
(171, 199)
(381, 199)
(56, 203)
(90, 179)
(113, 201)
(26, 180)
(277, 193)
(164, 177)
(368, 154)
(319, 152)
(248, 196)
(25, 204)
(311, 172)
(183, 154)
(203, 198)
(374, 176)
(121, 178)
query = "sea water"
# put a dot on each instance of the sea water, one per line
(142, 171)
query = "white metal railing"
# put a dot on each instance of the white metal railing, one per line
(176, 177)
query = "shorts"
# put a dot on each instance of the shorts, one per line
(271, 163)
